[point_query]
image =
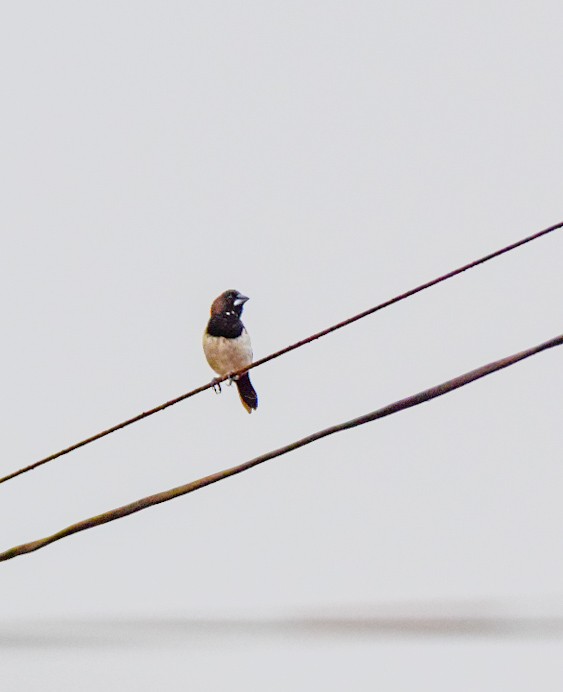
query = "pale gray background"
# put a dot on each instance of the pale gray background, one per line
(319, 157)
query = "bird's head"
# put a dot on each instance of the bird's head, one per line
(230, 301)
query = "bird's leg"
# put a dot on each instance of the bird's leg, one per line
(216, 384)
(232, 378)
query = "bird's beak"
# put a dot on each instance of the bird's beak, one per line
(240, 300)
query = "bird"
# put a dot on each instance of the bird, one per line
(226, 344)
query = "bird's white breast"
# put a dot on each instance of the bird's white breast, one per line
(227, 355)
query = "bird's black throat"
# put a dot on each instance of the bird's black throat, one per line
(227, 325)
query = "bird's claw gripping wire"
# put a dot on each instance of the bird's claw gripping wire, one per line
(231, 379)
(216, 382)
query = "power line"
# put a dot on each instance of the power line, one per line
(395, 407)
(285, 350)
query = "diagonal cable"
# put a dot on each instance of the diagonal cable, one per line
(395, 407)
(287, 349)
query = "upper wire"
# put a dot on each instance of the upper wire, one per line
(286, 349)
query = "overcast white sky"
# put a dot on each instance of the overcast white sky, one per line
(320, 158)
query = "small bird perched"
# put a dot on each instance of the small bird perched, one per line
(226, 344)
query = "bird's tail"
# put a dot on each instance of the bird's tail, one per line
(247, 392)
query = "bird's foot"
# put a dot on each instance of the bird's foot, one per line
(231, 379)
(216, 384)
